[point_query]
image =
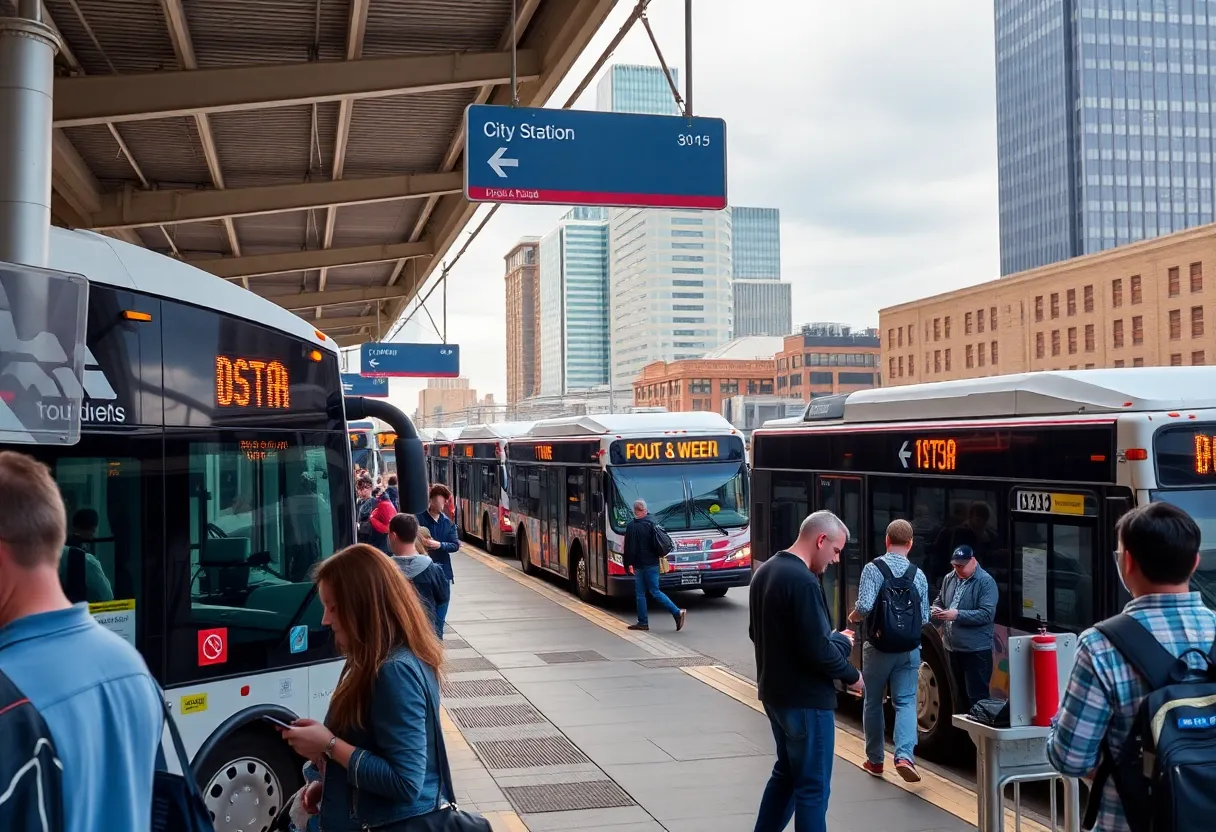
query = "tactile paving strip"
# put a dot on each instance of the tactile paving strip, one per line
(532, 752)
(566, 657)
(682, 661)
(473, 688)
(496, 716)
(567, 797)
(455, 644)
(467, 665)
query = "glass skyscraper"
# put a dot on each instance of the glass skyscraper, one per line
(631, 88)
(574, 303)
(1104, 123)
(756, 243)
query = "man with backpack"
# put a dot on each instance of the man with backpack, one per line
(645, 544)
(1140, 707)
(893, 600)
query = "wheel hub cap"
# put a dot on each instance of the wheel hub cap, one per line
(243, 795)
(928, 698)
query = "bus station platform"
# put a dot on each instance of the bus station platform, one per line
(559, 718)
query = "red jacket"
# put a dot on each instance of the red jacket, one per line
(382, 514)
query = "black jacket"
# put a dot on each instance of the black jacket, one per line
(641, 546)
(798, 657)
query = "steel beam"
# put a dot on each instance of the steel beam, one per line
(353, 322)
(309, 300)
(152, 95)
(256, 265)
(135, 209)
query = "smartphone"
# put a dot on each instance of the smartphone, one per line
(277, 722)
(848, 633)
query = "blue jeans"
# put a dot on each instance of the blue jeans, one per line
(900, 671)
(646, 580)
(441, 615)
(802, 777)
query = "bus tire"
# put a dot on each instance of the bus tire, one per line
(521, 551)
(580, 575)
(246, 778)
(934, 705)
(486, 540)
(715, 591)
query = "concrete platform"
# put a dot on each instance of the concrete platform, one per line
(576, 723)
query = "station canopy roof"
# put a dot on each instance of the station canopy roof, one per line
(309, 150)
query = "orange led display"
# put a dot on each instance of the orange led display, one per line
(251, 382)
(543, 452)
(386, 440)
(937, 454)
(1203, 454)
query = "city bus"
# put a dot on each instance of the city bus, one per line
(484, 508)
(574, 481)
(385, 441)
(1032, 471)
(364, 449)
(440, 462)
(213, 471)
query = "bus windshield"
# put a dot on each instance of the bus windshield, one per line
(1200, 503)
(719, 495)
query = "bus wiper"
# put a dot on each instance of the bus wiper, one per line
(710, 518)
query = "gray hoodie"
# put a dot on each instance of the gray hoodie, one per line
(412, 565)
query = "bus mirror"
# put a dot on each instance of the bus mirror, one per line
(597, 503)
(412, 486)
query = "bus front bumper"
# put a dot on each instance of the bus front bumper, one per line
(621, 586)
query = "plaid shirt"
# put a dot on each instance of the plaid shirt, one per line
(1105, 693)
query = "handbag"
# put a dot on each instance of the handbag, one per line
(664, 565)
(177, 804)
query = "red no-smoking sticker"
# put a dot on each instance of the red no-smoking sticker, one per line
(212, 646)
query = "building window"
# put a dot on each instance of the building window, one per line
(979, 320)
(926, 362)
(1137, 330)
(1137, 297)
(1089, 337)
(1038, 345)
(926, 330)
(1088, 298)
(911, 365)
(1137, 362)
(1117, 333)
(909, 335)
(993, 353)
(1197, 358)
(1071, 300)
(937, 329)
(947, 359)
(796, 361)
(981, 353)
(1175, 286)
(1055, 305)
(969, 355)
(729, 386)
(1120, 363)
(1072, 340)
(901, 336)
(891, 368)
(890, 336)
(992, 319)
(901, 366)
(937, 361)
(1196, 321)
(967, 324)
(946, 328)
(699, 386)
(1116, 292)
(1055, 342)
(1176, 359)
(1175, 324)
(1038, 308)
(1196, 277)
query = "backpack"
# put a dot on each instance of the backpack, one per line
(895, 621)
(1166, 772)
(30, 770)
(662, 540)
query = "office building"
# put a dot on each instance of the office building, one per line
(631, 88)
(1140, 305)
(743, 366)
(523, 320)
(444, 402)
(1104, 132)
(756, 235)
(574, 303)
(762, 307)
(826, 359)
(670, 287)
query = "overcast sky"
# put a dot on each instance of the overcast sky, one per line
(871, 125)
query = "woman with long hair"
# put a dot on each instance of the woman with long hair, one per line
(380, 747)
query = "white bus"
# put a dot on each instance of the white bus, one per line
(483, 505)
(573, 484)
(1030, 470)
(212, 472)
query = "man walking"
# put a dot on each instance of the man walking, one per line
(966, 607)
(99, 702)
(893, 599)
(444, 540)
(798, 660)
(641, 557)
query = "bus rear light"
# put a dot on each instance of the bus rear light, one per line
(504, 520)
(1136, 454)
(1097, 457)
(719, 544)
(314, 355)
(616, 564)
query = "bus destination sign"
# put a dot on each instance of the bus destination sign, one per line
(251, 382)
(663, 451)
(1185, 455)
(576, 453)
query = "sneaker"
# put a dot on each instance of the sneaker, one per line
(683, 615)
(907, 771)
(642, 627)
(872, 768)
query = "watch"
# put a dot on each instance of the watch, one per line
(329, 749)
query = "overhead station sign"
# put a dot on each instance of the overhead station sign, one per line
(389, 360)
(354, 384)
(528, 155)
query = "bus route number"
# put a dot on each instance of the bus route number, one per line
(1038, 502)
(1045, 502)
(689, 140)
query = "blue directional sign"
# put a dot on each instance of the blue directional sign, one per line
(380, 359)
(581, 157)
(354, 384)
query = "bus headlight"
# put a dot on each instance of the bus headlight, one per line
(617, 558)
(740, 556)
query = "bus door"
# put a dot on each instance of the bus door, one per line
(1113, 595)
(842, 496)
(1055, 551)
(553, 507)
(597, 554)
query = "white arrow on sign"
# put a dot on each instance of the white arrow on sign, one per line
(498, 162)
(374, 363)
(905, 454)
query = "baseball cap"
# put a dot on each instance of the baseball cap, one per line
(962, 554)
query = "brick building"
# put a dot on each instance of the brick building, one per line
(824, 359)
(523, 320)
(1138, 305)
(743, 366)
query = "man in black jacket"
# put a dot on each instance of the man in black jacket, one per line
(641, 557)
(798, 659)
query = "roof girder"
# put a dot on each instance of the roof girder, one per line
(151, 95)
(260, 265)
(352, 322)
(309, 300)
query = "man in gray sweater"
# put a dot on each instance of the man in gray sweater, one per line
(966, 607)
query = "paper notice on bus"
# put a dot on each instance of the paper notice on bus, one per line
(1034, 582)
(116, 616)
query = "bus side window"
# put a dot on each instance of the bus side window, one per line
(790, 506)
(576, 490)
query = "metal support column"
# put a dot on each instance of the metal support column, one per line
(27, 72)
(688, 58)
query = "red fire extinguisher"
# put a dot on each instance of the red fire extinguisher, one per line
(1046, 676)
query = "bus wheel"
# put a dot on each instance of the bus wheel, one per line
(486, 540)
(933, 704)
(715, 592)
(582, 577)
(521, 550)
(246, 778)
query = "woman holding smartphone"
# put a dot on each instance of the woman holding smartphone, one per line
(380, 748)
